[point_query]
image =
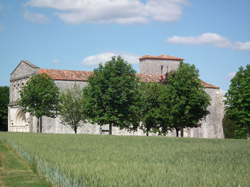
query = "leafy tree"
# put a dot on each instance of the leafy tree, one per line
(4, 101)
(40, 97)
(238, 98)
(152, 117)
(233, 130)
(112, 95)
(185, 100)
(70, 107)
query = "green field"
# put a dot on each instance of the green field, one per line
(16, 172)
(91, 160)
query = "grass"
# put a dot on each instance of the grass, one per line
(14, 171)
(91, 160)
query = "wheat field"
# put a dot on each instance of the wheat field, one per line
(92, 160)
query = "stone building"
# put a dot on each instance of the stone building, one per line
(151, 70)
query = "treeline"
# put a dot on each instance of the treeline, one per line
(236, 122)
(4, 101)
(116, 97)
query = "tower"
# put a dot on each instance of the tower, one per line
(159, 65)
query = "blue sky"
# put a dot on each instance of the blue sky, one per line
(77, 34)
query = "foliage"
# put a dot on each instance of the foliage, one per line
(151, 94)
(4, 101)
(233, 130)
(238, 98)
(40, 97)
(70, 107)
(90, 160)
(112, 95)
(185, 100)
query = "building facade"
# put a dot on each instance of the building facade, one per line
(152, 68)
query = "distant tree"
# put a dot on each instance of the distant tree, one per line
(185, 100)
(112, 95)
(152, 117)
(40, 97)
(70, 107)
(4, 101)
(238, 98)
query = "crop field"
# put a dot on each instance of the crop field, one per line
(92, 160)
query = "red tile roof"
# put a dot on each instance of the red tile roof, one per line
(84, 75)
(207, 85)
(66, 74)
(161, 57)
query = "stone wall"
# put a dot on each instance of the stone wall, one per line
(149, 66)
(211, 126)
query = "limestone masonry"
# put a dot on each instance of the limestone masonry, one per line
(151, 70)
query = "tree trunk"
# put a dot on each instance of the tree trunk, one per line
(248, 134)
(177, 132)
(40, 124)
(147, 133)
(182, 132)
(75, 129)
(110, 129)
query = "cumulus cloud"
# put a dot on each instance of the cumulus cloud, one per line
(210, 38)
(35, 17)
(113, 11)
(104, 57)
(242, 45)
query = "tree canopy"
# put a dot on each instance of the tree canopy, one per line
(151, 94)
(233, 130)
(185, 100)
(40, 97)
(238, 98)
(70, 107)
(112, 95)
(4, 101)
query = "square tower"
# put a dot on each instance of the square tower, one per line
(159, 65)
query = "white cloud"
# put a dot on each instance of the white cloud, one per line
(210, 38)
(35, 17)
(113, 11)
(242, 45)
(104, 57)
(206, 38)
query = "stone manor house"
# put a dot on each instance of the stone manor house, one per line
(151, 69)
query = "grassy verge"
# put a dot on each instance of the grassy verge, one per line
(85, 160)
(15, 172)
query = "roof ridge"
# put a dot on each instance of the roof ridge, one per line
(161, 57)
(25, 62)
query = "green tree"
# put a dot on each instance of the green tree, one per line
(4, 101)
(233, 130)
(185, 100)
(112, 95)
(238, 98)
(152, 117)
(40, 97)
(70, 107)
